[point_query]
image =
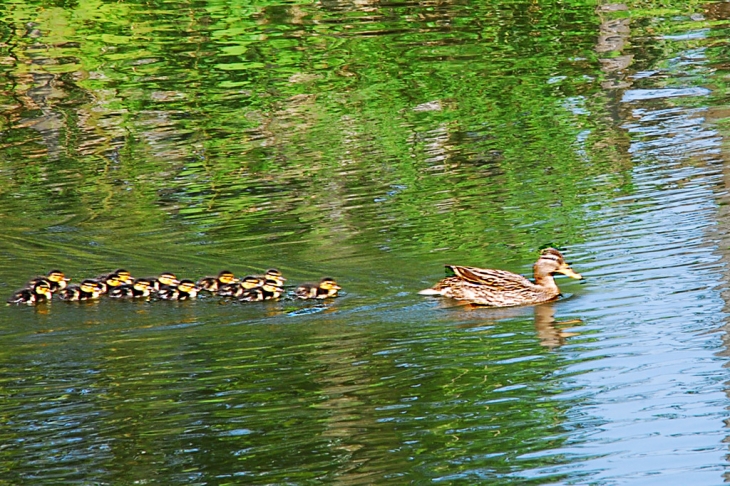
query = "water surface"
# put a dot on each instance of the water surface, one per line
(373, 143)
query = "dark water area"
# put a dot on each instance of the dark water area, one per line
(374, 143)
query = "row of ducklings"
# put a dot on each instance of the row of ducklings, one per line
(120, 285)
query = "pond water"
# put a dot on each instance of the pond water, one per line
(371, 142)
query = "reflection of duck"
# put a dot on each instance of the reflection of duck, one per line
(87, 290)
(40, 291)
(327, 287)
(184, 290)
(499, 288)
(550, 332)
(212, 284)
(550, 335)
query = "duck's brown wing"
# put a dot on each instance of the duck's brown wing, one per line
(496, 279)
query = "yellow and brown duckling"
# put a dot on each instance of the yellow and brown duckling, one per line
(141, 287)
(39, 291)
(326, 288)
(109, 282)
(124, 275)
(88, 289)
(164, 280)
(184, 290)
(237, 289)
(213, 284)
(500, 288)
(55, 278)
(275, 275)
(270, 290)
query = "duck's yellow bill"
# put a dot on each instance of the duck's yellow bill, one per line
(570, 273)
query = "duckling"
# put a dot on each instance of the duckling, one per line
(238, 288)
(270, 290)
(327, 287)
(124, 275)
(164, 280)
(55, 278)
(88, 289)
(40, 291)
(275, 275)
(141, 287)
(500, 288)
(108, 282)
(185, 290)
(255, 294)
(213, 284)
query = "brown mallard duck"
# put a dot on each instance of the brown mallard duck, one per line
(499, 288)
(327, 287)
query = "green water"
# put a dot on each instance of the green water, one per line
(371, 142)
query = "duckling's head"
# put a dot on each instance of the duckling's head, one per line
(113, 280)
(58, 277)
(271, 285)
(251, 282)
(142, 284)
(274, 274)
(329, 284)
(186, 286)
(124, 275)
(227, 277)
(168, 279)
(42, 288)
(552, 261)
(90, 286)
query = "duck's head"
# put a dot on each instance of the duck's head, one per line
(227, 277)
(552, 261)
